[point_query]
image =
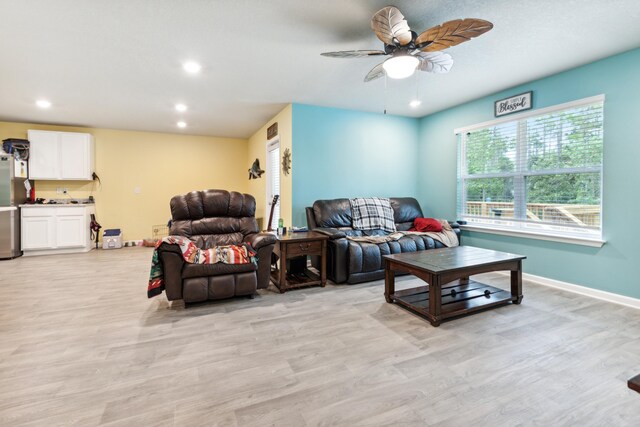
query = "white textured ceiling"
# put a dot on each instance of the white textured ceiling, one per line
(117, 64)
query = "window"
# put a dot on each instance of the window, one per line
(273, 180)
(539, 173)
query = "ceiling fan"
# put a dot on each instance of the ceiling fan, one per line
(408, 50)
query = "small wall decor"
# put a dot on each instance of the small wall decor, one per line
(513, 104)
(286, 161)
(255, 172)
(272, 130)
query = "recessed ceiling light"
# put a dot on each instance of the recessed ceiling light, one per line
(181, 107)
(192, 67)
(43, 103)
(415, 103)
(182, 124)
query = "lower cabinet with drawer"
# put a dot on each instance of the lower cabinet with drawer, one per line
(291, 251)
(60, 229)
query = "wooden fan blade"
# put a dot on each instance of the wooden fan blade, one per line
(435, 62)
(353, 53)
(451, 33)
(376, 72)
(389, 24)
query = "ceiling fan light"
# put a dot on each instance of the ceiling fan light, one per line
(400, 67)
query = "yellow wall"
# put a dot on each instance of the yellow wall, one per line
(162, 165)
(258, 149)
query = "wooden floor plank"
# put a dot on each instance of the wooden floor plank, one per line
(82, 345)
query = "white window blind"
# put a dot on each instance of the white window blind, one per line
(541, 172)
(273, 176)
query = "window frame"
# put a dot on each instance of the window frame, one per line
(517, 226)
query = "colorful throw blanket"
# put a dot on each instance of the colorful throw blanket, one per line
(232, 254)
(447, 236)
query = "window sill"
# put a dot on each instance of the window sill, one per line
(584, 241)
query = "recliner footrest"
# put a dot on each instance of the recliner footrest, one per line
(198, 289)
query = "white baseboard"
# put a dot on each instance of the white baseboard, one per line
(582, 290)
(30, 252)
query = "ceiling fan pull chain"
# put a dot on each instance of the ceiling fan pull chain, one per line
(385, 93)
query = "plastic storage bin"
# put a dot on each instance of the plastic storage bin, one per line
(112, 239)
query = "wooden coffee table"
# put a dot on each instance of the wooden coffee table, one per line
(634, 383)
(298, 246)
(449, 292)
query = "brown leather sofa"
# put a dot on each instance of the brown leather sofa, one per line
(354, 262)
(213, 218)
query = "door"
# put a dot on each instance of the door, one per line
(70, 231)
(38, 232)
(43, 155)
(74, 155)
(273, 181)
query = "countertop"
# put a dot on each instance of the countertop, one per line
(55, 205)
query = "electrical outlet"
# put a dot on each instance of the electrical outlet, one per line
(62, 190)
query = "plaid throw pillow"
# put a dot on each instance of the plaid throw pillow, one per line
(372, 213)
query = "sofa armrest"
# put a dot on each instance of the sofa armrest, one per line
(172, 263)
(338, 259)
(333, 233)
(259, 240)
(167, 247)
(456, 229)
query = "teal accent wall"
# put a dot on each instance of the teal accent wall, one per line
(345, 153)
(613, 267)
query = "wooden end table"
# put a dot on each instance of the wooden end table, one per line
(295, 245)
(449, 292)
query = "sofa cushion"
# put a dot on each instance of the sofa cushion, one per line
(405, 211)
(213, 212)
(334, 213)
(367, 257)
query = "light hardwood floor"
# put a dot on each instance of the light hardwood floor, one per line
(82, 345)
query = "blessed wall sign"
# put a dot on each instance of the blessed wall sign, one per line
(514, 104)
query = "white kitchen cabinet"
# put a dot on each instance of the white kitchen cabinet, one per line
(60, 155)
(38, 229)
(74, 156)
(60, 229)
(70, 229)
(43, 155)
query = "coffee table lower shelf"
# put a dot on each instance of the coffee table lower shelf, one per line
(457, 299)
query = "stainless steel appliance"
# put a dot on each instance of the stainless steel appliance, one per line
(12, 194)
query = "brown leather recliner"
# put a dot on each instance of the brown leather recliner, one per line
(214, 218)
